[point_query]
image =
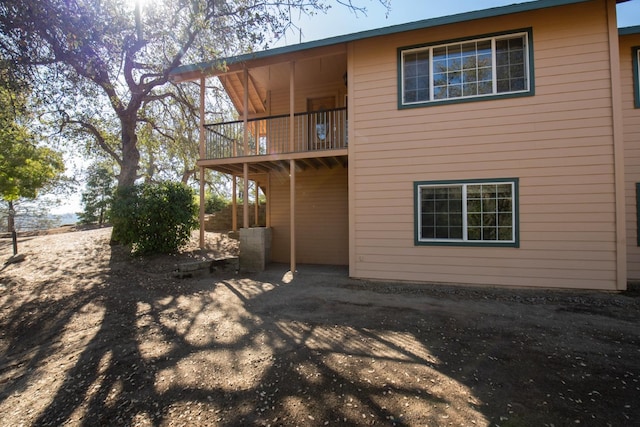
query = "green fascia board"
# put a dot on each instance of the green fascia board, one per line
(628, 31)
(394, 29)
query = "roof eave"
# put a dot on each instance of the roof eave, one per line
(195, 71)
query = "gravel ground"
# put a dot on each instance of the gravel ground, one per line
(90, 336)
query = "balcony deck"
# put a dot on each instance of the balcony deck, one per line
(319, 140)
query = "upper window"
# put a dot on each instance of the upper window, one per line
(488, 66)
(467, 212)
(636, 76)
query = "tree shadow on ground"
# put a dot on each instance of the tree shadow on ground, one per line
(131, 345)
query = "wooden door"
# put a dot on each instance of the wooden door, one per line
(320, 110)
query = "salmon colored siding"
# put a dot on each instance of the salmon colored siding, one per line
(322, 235)
(631, 120)
(559, 143)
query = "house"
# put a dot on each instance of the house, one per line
(497, 147)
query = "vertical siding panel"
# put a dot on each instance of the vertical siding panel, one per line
(322, 235)
(559, 143)
(631, 118)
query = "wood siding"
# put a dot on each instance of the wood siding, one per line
(559, 143)
(631, 117)
(278, 102)
(322, 234)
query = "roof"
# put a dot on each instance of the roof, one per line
(181, 73)
(627, 31)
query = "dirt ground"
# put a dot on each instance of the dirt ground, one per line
(90, 336)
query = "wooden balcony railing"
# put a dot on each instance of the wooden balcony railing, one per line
(325, 130)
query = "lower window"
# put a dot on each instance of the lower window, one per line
(482, 212)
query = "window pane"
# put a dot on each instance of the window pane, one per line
(484, 60)
(474, 233)
(440, 79)
(502, 58)
(517, 84)
(456, 233)
(485, 88)
(469, 63)
(416, 76)
(474, 219)
(441, 215)
(502, 72)
(504, 190)
(489, 205)
(505, 233)
(470, 76)
(470, 89)
(474, 191)
(484, 74)
(503, 86)
(510, 60)
(504, 205)
(440, 92)
(504, 220)
(489, 233)
(516, 71)
(440, 66)
(489, 219)
(455, 91)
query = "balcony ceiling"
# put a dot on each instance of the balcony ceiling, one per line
(317, 71)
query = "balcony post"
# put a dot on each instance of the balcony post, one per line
(234, 204)
(292, 165)
(292, 212)
(201, 152)
(245, 166)
(256, 206)
(292, 105)
(245, 196)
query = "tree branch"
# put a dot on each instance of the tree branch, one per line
(93, 131)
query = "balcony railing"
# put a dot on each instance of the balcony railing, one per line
(325, 130)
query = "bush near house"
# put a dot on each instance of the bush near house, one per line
(154, 218)
(215, 203)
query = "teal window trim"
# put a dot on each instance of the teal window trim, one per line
(636, 75)
(515, 243)
(530, 91)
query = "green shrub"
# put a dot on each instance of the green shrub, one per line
(154, 218)
(214, 203)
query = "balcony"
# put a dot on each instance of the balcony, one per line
(315, 135)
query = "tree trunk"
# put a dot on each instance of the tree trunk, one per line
(11, 218)
(130, 160)
(186, 175)
(130, 152)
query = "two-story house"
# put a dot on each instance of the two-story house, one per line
(497, 147)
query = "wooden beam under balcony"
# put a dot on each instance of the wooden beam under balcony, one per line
(278, 162)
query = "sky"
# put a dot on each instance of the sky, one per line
(340, 21)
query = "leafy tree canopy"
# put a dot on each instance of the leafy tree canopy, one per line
(25, 168)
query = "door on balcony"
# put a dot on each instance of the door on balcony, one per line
(321, 135)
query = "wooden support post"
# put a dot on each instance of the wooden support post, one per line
(268, 197)
(245, 166)
(292, 106)
(256, 206)
(245, 196)
(202, 154)
(234, 205)
(292, 211)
